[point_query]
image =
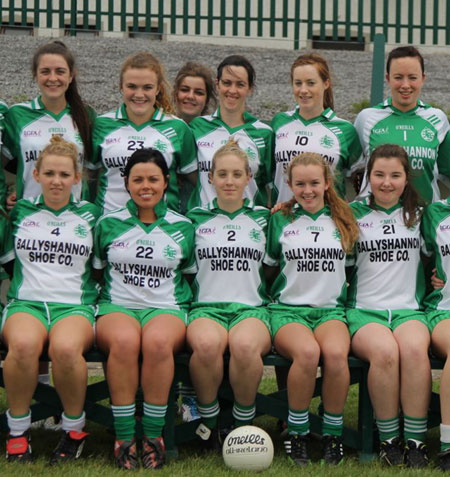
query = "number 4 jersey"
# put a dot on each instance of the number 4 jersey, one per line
(388, 272)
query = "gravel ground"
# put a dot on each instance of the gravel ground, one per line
(99, 63)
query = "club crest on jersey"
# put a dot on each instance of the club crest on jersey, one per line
(336, 235)
(255, 235)
(160, 145)
(326, 141)
(81, 231)
(169, 252)
(427, 134)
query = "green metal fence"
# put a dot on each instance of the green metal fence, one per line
(401, 21)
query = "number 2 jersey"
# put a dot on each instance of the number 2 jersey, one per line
(115, 138)
(144, 263)
(436, 233)
(229, 252)
(254, 137)
(309, 253)
(334, 138)
(422, 132)
(28, 128)
(52, 252)
(388, 272)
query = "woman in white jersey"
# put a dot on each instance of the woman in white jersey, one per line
(435, 227)
(384, 299)
(193, 92)
(145, 119)
(50, 301)
(309, 239)
(144, 249)
(405, 120)
(58, 110)
(312, 126)
(229, 294)
(235, 83)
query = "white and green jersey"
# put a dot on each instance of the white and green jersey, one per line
(435, 228)
(333, 137)
(422, 132)
(52, 251)
(144, 263)
(229, 251)
(115, 138)
(254, 137)
(388, 272)
(28, 128)
(309, 253)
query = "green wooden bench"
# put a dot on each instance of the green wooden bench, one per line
(362, 439)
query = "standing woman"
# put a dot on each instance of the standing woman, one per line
(144, 120)
(404, 119)
(385, 294)
(309, 239)
(312, 126)
(235, 82)
(58, 110)
(51, 300)
(193, 91)
(229, 293)
(144, 248)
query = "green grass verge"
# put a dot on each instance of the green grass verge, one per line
(97, 458)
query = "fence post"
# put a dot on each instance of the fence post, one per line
(376, 93)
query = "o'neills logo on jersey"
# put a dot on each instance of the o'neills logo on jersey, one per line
(207, 230)
(365, 225)
(282, 135)
(113, 140)
(30, 223)
(57, 130)
(32, 133)
(288, 233)
(205, 143)
(380, 131)
(444, 228)
(120, 244)
(405, 127)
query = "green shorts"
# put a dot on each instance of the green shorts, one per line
(229, 314)
(48, 313)
(436, 316)
(309, 316)
(357, 318)
(142, 316)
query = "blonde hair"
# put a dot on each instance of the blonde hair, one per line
(341, 213)
(142, 60)
(230, 148)
(59, 147)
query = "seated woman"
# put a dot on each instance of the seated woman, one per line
(386, 290)
(229, 294)
(51, 300)
(143, 248)
(309, 239)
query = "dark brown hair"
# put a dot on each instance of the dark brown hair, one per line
(409, 198)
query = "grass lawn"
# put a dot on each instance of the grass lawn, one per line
(97, 457)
